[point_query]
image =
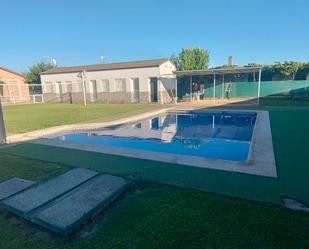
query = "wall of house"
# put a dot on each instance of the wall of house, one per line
(167, 83)
(52, 93)
(14, 89)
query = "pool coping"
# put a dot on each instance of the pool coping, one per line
(260, 161)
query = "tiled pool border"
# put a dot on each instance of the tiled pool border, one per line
(261, 159)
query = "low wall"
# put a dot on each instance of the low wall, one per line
(106, 98)
(144, 97)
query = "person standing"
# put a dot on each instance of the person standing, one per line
(228, 90)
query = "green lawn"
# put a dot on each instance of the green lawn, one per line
(23, 118)
(160, 216)
(284, 102)
(157, 215)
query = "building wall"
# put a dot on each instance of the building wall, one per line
(52, 93)
(167, 83)
(15, 88)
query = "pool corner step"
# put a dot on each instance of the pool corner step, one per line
(28, 200)
(66, 213)
(13, 186)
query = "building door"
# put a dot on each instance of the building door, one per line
(153, 89)
(59, 91)
(93, 91)
(69, 91)
(136, 90)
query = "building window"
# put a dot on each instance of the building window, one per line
(48, 87)
(58, 86)
(77, 87)
(120, 85)
(103, 86)
(68, 86)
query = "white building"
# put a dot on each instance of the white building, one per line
(125, 82)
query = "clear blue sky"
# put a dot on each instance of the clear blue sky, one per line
(78, 32)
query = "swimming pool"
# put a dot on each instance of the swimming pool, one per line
(219, 135)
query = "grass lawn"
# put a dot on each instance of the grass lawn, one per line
(160, 216)
(156, 215)
(23, 118)
(284, 102)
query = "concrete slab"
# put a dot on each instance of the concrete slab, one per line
(75, 207)
(13, 186)
(35, 197)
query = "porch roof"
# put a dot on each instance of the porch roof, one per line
(212, 71)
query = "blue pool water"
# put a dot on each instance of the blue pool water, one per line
(221, 135)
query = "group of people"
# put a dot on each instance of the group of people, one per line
(200, 90)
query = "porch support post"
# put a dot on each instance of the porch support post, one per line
(84, 87)
(259, 86)
(222, 86)
(214, 89)
(191, 87)
(176, 94)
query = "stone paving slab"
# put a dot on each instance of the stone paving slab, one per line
(13, 186)
(28, 200)
(67, 212)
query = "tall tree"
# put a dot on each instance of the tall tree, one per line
(191, 59)
(33, 75)
(287, 68)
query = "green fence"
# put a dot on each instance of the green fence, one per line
(290, 88)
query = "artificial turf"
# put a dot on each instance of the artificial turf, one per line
(160, 216)
(290, 146)
(157, 215)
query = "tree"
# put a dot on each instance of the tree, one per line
(191, 59)
(287, 68)
(33, 76)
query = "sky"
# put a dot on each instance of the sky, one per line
(79, 32)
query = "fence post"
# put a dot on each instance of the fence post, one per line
(10, 94)
(2, 127)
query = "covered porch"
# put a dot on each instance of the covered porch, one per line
(218, 85)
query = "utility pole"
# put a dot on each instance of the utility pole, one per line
(82, 76)
(84, 87)
(2, 127)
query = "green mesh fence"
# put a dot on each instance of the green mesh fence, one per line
(299, 88)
